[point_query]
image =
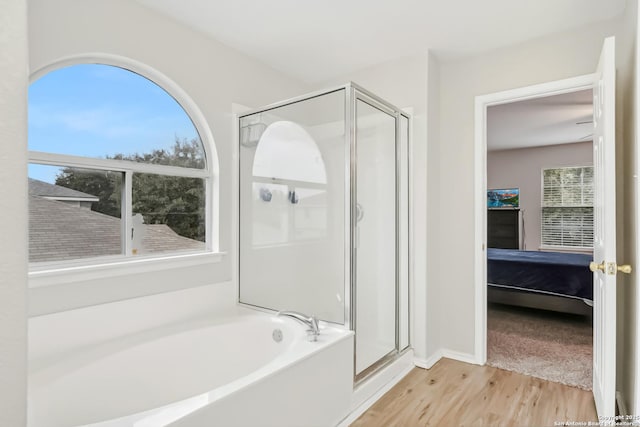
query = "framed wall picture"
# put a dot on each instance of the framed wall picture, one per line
(503, 198)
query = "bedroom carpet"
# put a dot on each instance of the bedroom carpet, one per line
(553, 346)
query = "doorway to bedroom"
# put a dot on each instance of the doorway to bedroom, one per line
(540, 211)
(604, 264)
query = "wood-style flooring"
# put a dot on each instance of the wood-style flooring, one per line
(454, 393)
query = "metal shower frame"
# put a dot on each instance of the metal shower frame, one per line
(353, 93)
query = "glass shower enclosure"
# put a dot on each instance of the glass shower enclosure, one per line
(324, 215)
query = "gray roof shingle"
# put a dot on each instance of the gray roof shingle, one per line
(44, 189)
(58, 231)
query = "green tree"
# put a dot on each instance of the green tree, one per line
(105, 185)
(175, 201)
(178, 202)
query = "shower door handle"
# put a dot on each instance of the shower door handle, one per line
(359, 212)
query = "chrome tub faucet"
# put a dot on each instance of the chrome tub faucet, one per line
(310, 321)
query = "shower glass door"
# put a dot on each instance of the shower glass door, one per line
(375, 254)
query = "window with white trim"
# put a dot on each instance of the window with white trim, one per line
(567, 207)
(117, 169)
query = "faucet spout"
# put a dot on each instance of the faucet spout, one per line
(310, 321)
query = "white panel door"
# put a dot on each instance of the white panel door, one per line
(604, 245)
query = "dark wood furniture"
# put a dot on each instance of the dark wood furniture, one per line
(503, 228)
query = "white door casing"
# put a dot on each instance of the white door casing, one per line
(604, 239)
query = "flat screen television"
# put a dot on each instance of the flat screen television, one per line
(508, 198)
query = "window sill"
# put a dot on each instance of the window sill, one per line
(51, 275)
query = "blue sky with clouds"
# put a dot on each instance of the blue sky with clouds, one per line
(96, 110)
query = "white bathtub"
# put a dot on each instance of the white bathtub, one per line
(225, 373)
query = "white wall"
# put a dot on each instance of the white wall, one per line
(522, 168)
(430, 297)
(403, 82)
(13, 205)
(55, 335)
(542, 60)
(630, 295)
(625, 133)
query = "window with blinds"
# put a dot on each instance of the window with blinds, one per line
(567, 207)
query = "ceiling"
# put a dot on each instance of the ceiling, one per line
(315, 41)
(558, 119)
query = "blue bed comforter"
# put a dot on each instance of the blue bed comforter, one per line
(559, 273)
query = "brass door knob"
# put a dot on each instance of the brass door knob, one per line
(626, 269)
(610, 267)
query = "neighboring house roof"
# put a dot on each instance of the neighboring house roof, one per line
(58, 231)
(57, 192)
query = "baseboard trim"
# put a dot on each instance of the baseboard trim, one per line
(459, 356)
(429, 361)
(449, 354)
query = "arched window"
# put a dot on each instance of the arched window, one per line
(117, 168)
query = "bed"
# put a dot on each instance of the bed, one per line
(545, 280)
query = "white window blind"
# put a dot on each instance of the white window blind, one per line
(567, 207)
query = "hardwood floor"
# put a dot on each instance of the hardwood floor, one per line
(454, 393)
